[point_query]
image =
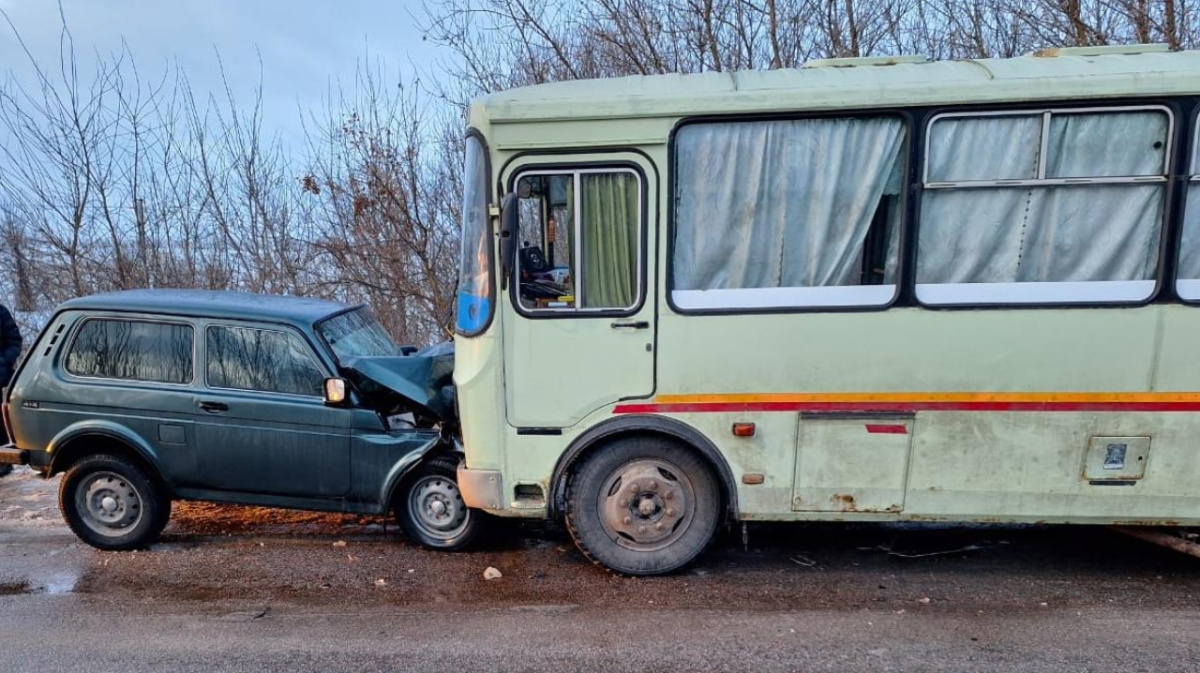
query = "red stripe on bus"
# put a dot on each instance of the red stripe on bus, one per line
(901, 407)
(887, 429)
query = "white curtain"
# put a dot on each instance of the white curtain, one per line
(1106, 145)
(780, 204)
(1040, 234)
(984, 148)
(1189, 246)
(1081, 233)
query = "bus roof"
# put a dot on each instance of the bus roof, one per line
(1068, 73)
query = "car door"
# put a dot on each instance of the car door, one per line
(262, 425)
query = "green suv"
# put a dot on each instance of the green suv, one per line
(149, 396)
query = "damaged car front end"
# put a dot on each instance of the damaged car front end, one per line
(412, 391)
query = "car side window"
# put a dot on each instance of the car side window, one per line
(132, 350)
(243, 358)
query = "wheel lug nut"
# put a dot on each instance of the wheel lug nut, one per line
(653, 485)
(670, 512)
(641, 529)
(624, 502)
(626, 521)
(633, 488)
(658, 526)
(668, 495)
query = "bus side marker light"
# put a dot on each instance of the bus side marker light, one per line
(887, 429)
(753, 479)
(743, 429)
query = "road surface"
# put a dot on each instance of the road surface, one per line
(241, 589)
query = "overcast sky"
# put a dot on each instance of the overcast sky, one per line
(304, 44)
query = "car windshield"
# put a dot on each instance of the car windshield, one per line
(356, 334)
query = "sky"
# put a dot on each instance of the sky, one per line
(306, 46)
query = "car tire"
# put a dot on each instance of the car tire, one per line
(5, 470)
(643, 506)
(430, 508)
(112, 503)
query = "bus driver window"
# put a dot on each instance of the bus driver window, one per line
(579, 242)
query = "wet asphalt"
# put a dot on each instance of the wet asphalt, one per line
(244, 589)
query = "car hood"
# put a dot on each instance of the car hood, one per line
(424, 378)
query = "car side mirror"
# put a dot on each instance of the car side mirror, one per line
(509, 225)
(335, 392)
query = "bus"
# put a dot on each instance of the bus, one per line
(863, 290)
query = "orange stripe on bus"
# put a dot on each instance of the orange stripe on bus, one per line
(912, 402)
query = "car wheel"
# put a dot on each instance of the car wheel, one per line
(112, 503)
(643, 506)
(430, 508)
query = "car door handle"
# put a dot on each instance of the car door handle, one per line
(214, 407)
(631, 324)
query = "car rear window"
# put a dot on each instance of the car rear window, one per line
(132, 350)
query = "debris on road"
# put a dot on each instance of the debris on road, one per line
(492, 573)
(891, 551)
(803, 561)
(340, 543)
(924, 601)
(381, 583)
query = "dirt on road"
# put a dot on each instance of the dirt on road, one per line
(215, 552)
(247, 563)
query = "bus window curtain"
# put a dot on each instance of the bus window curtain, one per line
(779, 204)
(1035, 233)
(1189, 247)
(609, 236)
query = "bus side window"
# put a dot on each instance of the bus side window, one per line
(795, 213)
(1045, 206)
(579, 240)
(1188, 284)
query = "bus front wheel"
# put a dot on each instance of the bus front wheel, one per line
(643, 505)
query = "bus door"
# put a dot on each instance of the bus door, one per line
(579, 322)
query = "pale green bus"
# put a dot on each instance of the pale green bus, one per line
(862, 290)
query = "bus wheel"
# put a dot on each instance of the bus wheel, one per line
(643, 506)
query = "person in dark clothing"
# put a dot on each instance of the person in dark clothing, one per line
(10, 352)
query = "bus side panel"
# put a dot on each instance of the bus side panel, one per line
(989, 464)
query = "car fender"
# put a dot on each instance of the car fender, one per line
(401, 468)
(103, 428)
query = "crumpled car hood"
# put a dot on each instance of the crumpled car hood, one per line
(424, 378)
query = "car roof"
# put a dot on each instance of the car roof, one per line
(212, 304)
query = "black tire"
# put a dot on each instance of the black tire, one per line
(5, 470)
(433, 484)
(624, 511)
(113, 503)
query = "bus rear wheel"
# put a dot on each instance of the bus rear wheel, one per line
(643, 506)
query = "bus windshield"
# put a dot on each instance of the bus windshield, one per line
(475, 264)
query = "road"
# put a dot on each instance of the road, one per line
(240, 589)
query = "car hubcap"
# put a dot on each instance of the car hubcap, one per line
(108, 503)
(438, 508)
(646, 505)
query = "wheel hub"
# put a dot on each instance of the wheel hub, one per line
(108, 503)
(437, 507)
(645, 505)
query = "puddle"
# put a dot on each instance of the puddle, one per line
(60, 584)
